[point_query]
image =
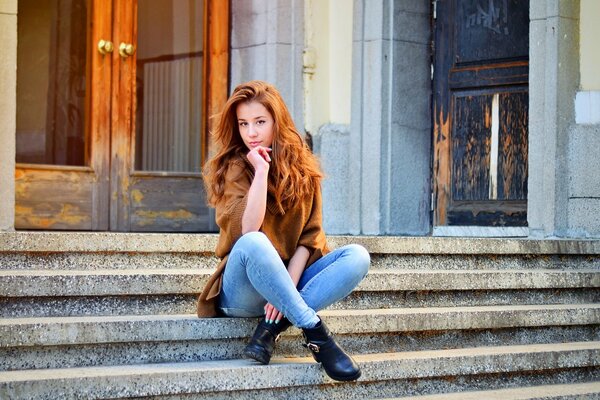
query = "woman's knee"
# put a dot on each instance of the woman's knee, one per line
(360, 257)
(253, 241)
(253, 237)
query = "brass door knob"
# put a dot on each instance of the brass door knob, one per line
(105, 46)
(126, 50)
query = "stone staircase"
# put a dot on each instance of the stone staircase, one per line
(109, 315)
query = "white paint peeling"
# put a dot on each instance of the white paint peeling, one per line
(493, 193)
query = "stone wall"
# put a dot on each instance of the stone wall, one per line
(8, 100)
(390, 137)
(553, 83)
(266, 43)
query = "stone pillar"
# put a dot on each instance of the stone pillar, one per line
(8, 107)
(553, 83)
(390, 138)
(267, 38)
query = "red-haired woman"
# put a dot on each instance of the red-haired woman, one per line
(265, 185)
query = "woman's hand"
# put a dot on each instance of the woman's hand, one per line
(272, 314)
(259, 158)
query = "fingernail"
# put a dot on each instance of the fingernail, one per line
(277, 321)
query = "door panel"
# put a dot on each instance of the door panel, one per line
(160, 128)
(481, 112)
(117, 177)
(55, 131)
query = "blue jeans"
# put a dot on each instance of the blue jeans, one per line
(255, 275)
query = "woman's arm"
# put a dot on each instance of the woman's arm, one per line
(254, 214)
(297, 263)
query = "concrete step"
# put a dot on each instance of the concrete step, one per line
(38, 283)
(586, 390)
(160, 259)
(38, 293)
(78, 341)
(106, 250)
(297, 378)
(63, 306)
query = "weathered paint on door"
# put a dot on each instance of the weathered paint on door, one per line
(480, 105)
(108, 192)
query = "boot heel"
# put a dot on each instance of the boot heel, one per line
(325, 350)
(260, 347)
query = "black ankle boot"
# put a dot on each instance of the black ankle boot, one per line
(263, 341)
(336, 362)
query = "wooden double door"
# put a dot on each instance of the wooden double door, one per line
(112, 112)
(480, 106)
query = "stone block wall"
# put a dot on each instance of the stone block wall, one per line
(390, 139)
(584, 183)
(267, 39)
(8, 103)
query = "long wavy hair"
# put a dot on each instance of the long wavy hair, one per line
(294, 171)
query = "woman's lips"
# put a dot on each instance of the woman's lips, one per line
(254, 144)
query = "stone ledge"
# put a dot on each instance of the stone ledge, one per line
(220, 376)
(38, 283)
(546, 392)
(109, 242)
(18, 332)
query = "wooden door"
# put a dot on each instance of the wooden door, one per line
(163, 91)
(105, 155)
(62, 171)
(480, 106)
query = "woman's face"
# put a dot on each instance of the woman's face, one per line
(255, 124)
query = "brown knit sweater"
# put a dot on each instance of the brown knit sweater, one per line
(286, 229)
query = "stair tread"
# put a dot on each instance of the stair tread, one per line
(495, 357)
(208, 271)
(23, 241)
(120, 328)
(520, 393)
(44, 283)
(324, 313)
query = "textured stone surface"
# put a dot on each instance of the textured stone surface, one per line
(583, 158)
(18, 307)
(108, 261)
(408, 387)
(422, 295)
(572, 391)
(333, 152)
(51, 242)
(115, 329)
(184, 281)
(69, 356)
(8, 114)
(553, 83)
(179, 378)
(388, 119)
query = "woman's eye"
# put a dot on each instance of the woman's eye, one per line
(243, 123)
(260, 122)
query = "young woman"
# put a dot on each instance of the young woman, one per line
(265, 185)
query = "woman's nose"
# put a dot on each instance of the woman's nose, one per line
(251, 130)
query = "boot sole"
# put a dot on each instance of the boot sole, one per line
(345, 378)
(257, 355)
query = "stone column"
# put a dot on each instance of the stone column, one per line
(267, 38)
(390, 138)
(8, 106)
(553, 82)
